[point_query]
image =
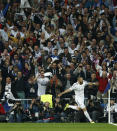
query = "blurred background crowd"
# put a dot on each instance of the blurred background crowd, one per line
(45, 45)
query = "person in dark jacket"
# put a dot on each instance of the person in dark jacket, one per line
(95, 110)
(19, 88)
(67, 83)
(54, 69)
(92, 91)
(31, 88)
(65, 57)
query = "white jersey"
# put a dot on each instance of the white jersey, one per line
(42, 84)
(79, 89)
(79, 93)
(113, 108)
(8, 94)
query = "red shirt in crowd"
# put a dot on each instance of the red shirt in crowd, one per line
(2, 111)
(33, 39)
(0, 26)
(102, 82)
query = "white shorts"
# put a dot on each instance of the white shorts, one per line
(80, 103)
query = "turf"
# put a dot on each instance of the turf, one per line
(56, 127)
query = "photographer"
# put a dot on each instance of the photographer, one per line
(47, 115)
(58, 109)
(113, 111)
(41, 113)
(36, 107)
(16, 113)
(95, 110)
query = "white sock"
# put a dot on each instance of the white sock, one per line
(87, 116)
(73, 107)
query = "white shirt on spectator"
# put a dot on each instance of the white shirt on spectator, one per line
(14, 33)
(49, 50)
(4, 35)
(47, 35)
(8, 94)
(22, 34)
(42, 84)
(25, 4)
(37, 54)
(71, 51)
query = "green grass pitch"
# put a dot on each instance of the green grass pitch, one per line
(56, 127)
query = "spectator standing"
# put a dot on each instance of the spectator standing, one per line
(19, 86)
(103, 81)
(31, 88)
(42, 82)
(8, 89)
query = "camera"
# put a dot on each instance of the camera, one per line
(11, 101)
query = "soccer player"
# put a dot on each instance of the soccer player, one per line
(78, 87)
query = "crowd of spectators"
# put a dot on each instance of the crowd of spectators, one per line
(46, 44)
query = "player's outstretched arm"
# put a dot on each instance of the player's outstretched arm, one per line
(93, 83)
(64, 92)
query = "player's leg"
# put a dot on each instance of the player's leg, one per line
(86, 114)
(80, 102)
(74, 107)
(80, 105)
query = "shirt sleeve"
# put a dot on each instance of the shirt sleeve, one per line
(47, 80)
(73, 87)
(5, 9)
(86, 83)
